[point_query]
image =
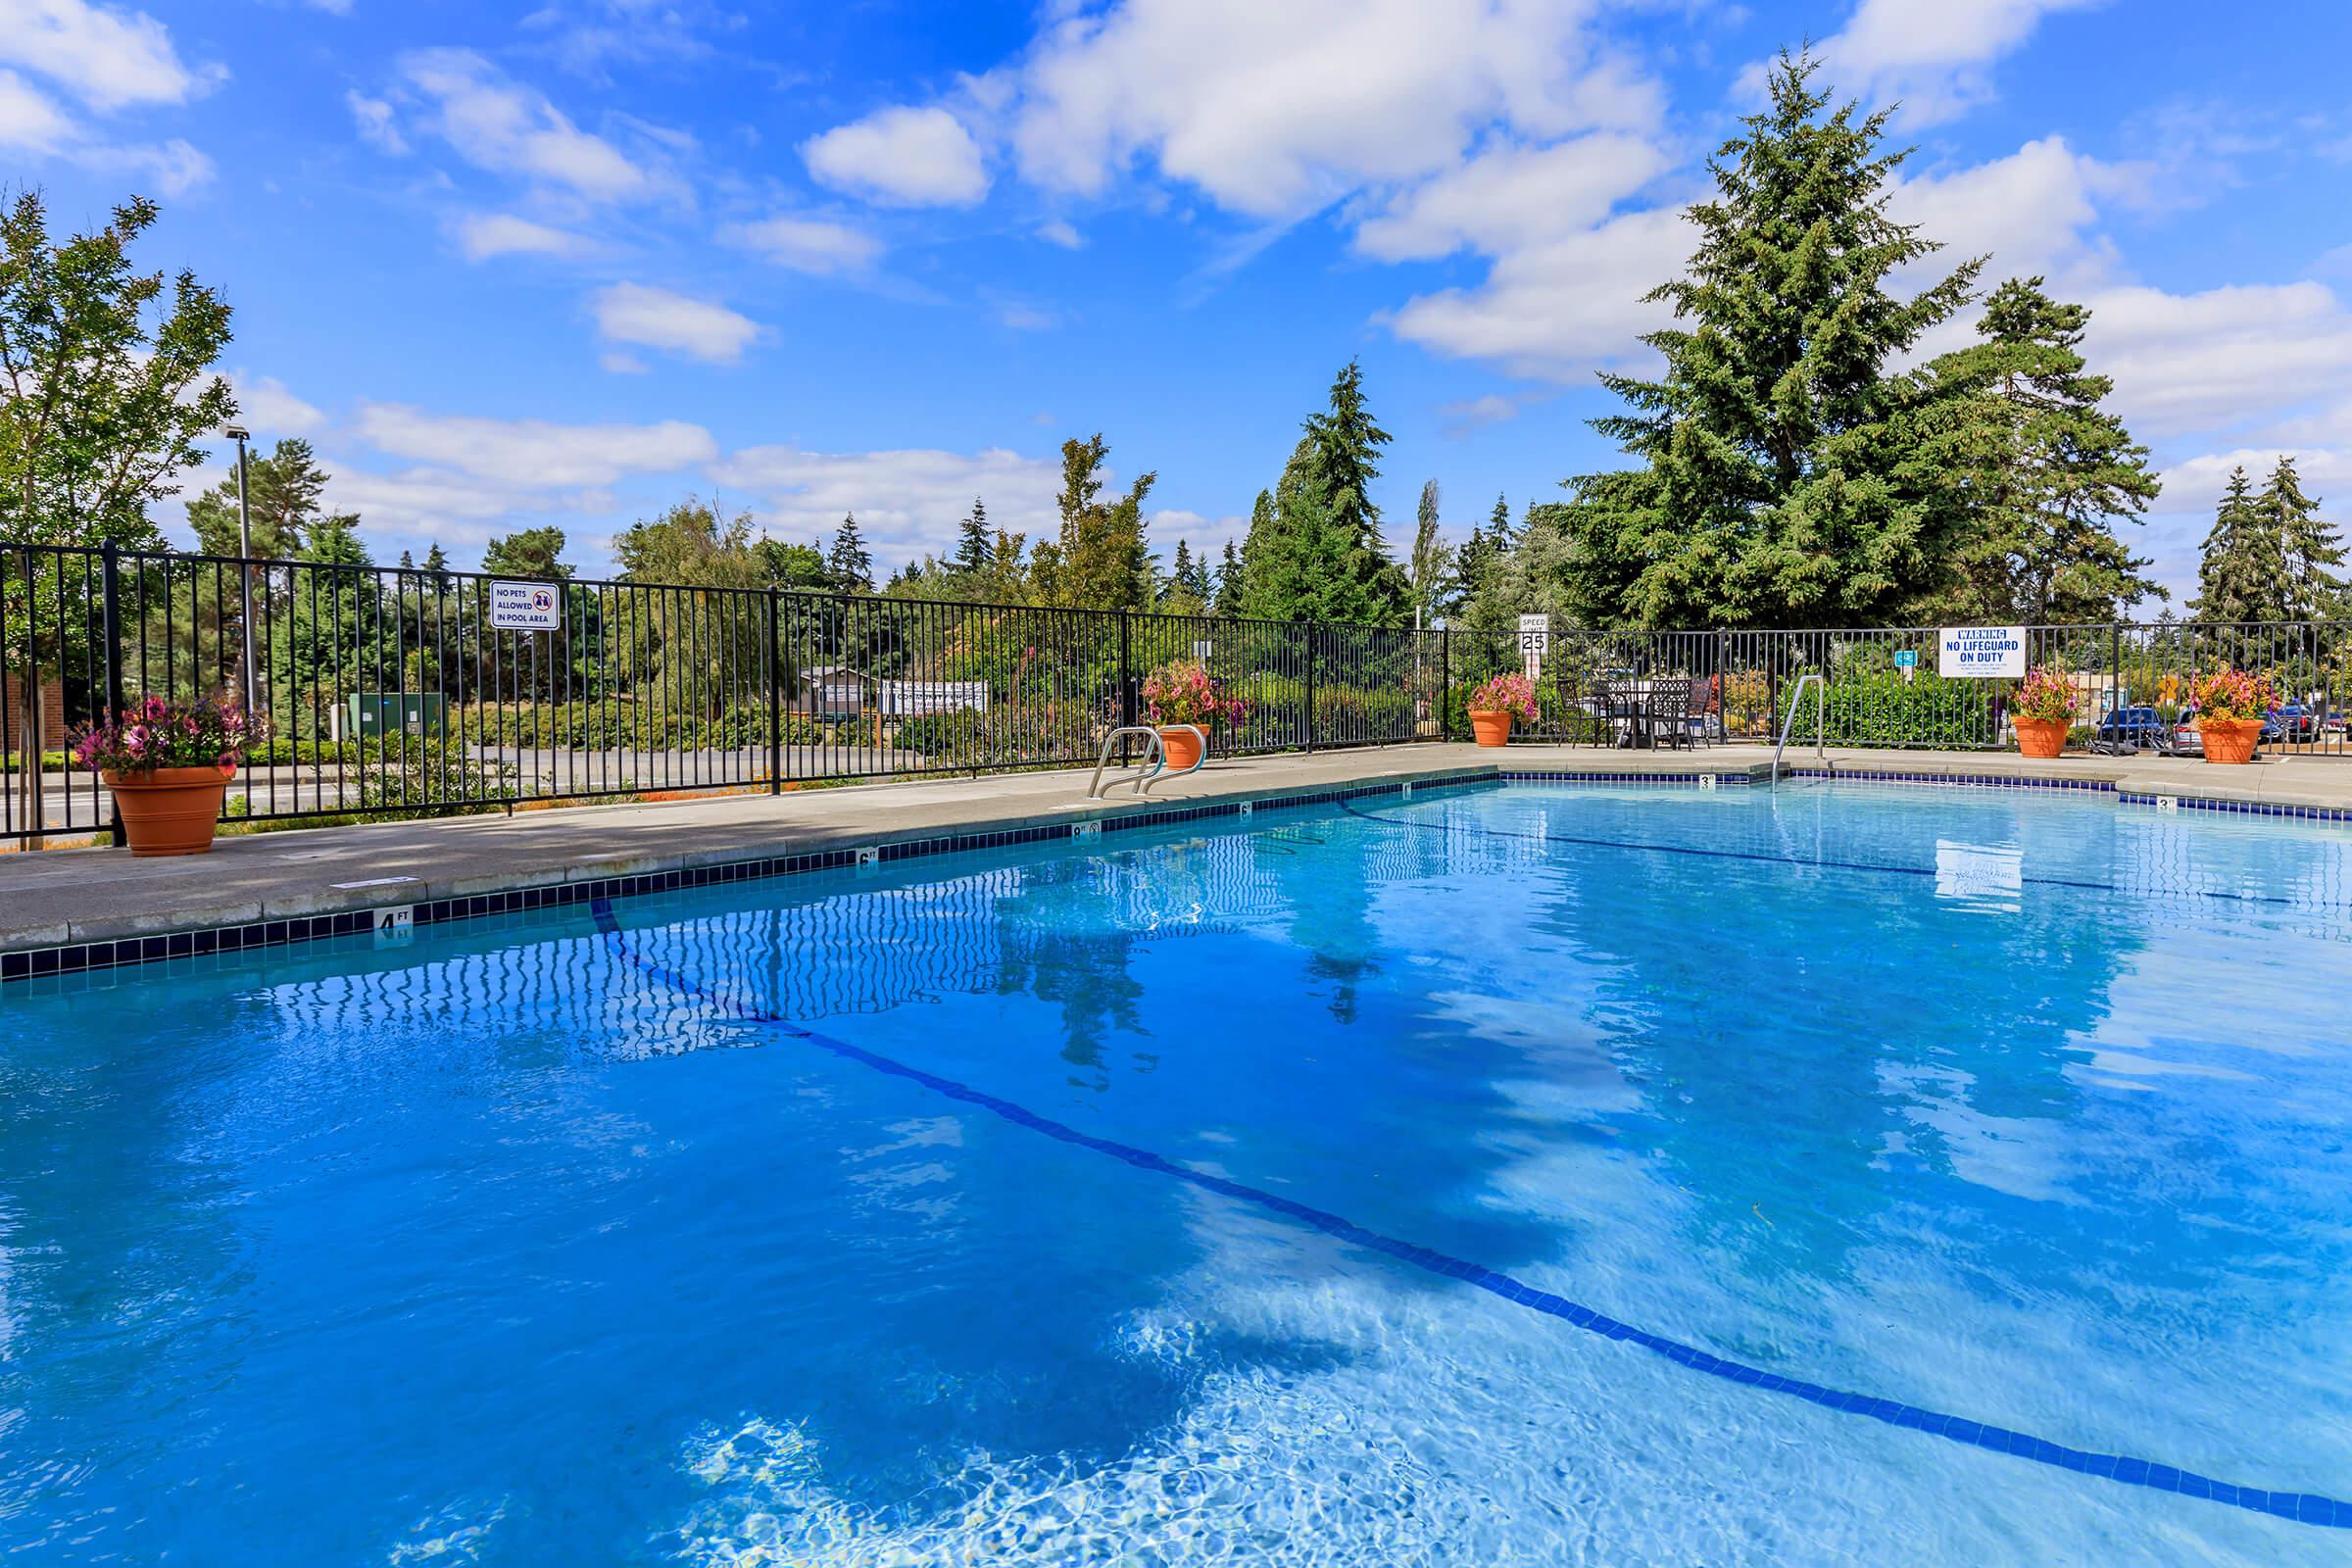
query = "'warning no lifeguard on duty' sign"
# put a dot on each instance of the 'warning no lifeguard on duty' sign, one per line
(1981, 651)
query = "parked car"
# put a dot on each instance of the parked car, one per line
(2128, 729)
(2290, 723)
(2184, 734)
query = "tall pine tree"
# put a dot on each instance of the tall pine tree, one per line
(848, 564)
(1356, 580)
(974, 540)
(1227, 600)
(2242, 566)
(2056, 475)
(2307, 548)
(1314, 551)
(1788, 473)
(284, 491)
(1101, 559)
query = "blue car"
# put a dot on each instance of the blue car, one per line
(2128, 729)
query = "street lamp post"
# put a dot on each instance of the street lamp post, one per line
(240, 435)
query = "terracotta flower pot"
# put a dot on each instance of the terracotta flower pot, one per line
(168, 811)
(1182, 745)
(2229, 740)
(2039, 737)
(1490, 728)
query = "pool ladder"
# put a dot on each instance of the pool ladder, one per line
(1144, 778)
(1821, 723)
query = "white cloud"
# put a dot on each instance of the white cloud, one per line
(1931, 54)
(809, 245)
(376, 123)
(2222, 359)
(266, 404)
(2031, 211)
(533, 455)
(1276, 110)
(1476, 414)
(1512, 196)
(1207, 535)
(658, 319)
(908, 502)
(1557, 310)
(912, 156)
(28, 119)
(499, 124)
(109, 59)
(412, 508)
(483, 235)
(166, 168)
(1061, 233)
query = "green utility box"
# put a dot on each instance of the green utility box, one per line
(367, 715)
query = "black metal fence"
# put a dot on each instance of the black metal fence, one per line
(398, 690)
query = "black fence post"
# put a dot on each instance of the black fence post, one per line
(1446, 684)
(1313, 639)
(1126, 672)
(110, 631)
(775, 703)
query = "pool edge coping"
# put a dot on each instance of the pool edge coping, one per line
(211, 933)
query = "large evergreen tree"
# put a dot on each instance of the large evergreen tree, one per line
(1227, 600)
(2057, 475)
(2242, 566)
(1788, 472)
(1177, 595)
(283, 490)
(1351, 576)
(974, 540)
(848, 564)
(1314, 551)
(2307, 548)
(536, 553)
(1101, 559)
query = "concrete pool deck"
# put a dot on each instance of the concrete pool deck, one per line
(53, 899)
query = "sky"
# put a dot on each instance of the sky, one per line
(570, 262)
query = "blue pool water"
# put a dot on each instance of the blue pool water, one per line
(1522, 1175)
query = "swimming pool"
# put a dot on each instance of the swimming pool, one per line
(1505, 1175)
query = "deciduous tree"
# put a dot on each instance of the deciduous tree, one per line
(105, 383)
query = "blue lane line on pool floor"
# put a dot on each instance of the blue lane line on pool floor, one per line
(1695, 852)
(2301, 1507)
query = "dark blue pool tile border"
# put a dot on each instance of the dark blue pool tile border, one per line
(37, 963)
(2190, 803)
(1989, 781)
(83, 957)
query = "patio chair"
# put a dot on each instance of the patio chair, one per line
(1619, 709)
(1667, 718)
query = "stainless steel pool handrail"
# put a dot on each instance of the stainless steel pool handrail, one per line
(1821, 721)
(1145, 777)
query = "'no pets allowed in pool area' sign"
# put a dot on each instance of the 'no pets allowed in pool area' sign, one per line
(526, 607)
(1984, 652)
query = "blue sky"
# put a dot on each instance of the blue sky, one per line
(567, 262)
